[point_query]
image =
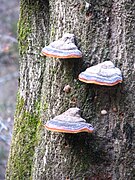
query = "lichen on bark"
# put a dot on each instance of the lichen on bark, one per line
(32, 27)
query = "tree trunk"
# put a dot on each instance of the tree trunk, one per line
(105, 31)
(33, 32)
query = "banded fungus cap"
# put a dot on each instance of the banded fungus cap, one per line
(104, 73)
(63, 48)
(69, 122)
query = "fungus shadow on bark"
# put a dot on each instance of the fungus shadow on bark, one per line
(101, 97)
(73, 65)
(88, 148)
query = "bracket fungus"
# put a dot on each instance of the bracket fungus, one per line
(69, 122)
(63, 48)
(104, 73)
(67, 89)
(103, 112)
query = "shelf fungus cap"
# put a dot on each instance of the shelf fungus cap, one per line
(69, 122)
(63, 48)
(104, 73)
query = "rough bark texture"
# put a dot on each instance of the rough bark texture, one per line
(104, 32)
(33, 29)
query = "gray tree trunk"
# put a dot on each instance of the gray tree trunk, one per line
(104, 32)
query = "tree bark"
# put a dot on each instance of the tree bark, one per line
(103, 32)
(33, 28)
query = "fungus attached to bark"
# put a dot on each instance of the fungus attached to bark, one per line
(69, 122)
(67, 89)
(103, 112)
(104, 73)
(63, 48)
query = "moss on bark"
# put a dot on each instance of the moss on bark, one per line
(101, 36)
(27, 123)
(24, 140)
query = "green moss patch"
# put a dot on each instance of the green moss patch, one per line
(23, 142)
